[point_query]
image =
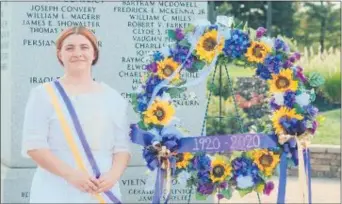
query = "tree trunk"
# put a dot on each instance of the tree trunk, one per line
(323, 27)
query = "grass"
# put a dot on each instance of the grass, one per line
(330, 130)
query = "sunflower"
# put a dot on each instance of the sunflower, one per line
(257, 52)
(279, 114)
(166, 68)
(183, 159)
(265, 160)
(220, 170)
(283, 81)
(159, 113)
(207, 46)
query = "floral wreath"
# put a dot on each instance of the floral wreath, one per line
(198, 48)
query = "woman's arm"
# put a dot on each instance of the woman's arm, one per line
(80, 179)
(47, 160)
(110, 178)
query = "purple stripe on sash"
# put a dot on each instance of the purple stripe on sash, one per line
(82, 138)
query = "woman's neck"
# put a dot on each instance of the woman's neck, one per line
(77, 80)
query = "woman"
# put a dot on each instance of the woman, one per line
(101, 112)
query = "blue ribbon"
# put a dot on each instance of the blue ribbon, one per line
(308, 172)
(282, 178)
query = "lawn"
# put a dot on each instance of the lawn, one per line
(330, 131)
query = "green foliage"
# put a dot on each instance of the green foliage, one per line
(328, 65)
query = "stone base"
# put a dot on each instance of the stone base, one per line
(15, 184)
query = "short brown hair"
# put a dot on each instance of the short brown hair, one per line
(80, 30)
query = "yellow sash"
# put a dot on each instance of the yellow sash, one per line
(68, 133)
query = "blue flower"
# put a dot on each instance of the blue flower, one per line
(289, 98)
(151, 83)
(202, 162)
(292, 126)
(263, 72)
(273, 63)
(142, 102)
(237, 45)
(243, 166)
(274, 105)
(157, 56)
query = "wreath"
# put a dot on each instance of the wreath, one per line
(198, 48)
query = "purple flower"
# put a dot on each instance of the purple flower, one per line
(311, 111)
(180, 53)
(263, 72)
(280, 45)
(268, 187)
(220, 196)
(289, 98)
(300, 74)
(223, 185)
(179, 34)
(292, 59)
(204, 176)
(274, 105)
(260, 32)
(153, 67)
(296, 55)
(273, 63)
(205, 188)
(314, 127)
(287, 64)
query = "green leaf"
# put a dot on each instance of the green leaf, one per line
(298, 108)
(227, 193)
(244, 192)
(315, 79)
(198, 65)
(190, 28)
(184, 43)
(171, 34)
(245, 27)
(142, 125)
(240, 26)
(200, 196)
(175, 92)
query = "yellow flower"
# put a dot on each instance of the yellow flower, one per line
(265, 160)
(183, 159)
(166, 68)
(220, 169)
(283, 81)
(283, 112)
(207, 47)
(257, 52)
(159, 113)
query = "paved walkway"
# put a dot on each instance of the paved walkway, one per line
(324, 190)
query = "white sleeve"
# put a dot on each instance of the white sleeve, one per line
(36, 121)
(122, 139)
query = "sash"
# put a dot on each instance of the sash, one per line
(68, 135)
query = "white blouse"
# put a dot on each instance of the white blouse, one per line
(103, 117)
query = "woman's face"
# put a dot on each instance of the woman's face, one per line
(76, 53)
